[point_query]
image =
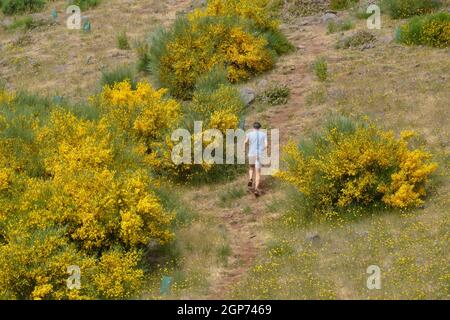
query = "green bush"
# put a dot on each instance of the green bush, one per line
(25, 23)
(69, 186)
(85, 4)
(432, 30)
(10, 7)
(117, 75)
(122, 41)
(276, 95)
(353, 166)
(362, 14)
(231, 195)
(399, 9)
(338, 26)
(278, 42)
(316, 96)
(320, 67)
(182, 54)
(302, 8)
(143, 53)
(225, 34)
(341, 4)
(210, 82)
(359, 39)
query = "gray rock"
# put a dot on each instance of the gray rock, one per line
(6, 22)
(314, 238)
(388, 39)
(153, 245)
(248, 95)
(89, 59)
(329, 16)
(367, 46)
(288, 69)
(362, 234)
(262, 84)
(60, 69)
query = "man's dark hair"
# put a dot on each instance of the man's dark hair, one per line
(257, 125)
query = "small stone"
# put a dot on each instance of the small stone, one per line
(329, 16)
(89, 59)
(7, 22)
(362, 234)
(301, 47)
(153, 245)
(387, 39)
(262, 83)
(314, 238)
(248, 95)
(288, 69)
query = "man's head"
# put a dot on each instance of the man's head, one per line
(257, 125)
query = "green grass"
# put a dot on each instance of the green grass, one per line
(341, 4)
(298, 8)
(320, 67)
(142, 50)
(119, 74)
(275, 95)
(413, 262)
(122, 41)
(339, 26)
(85, 4)
(11, 7)
(316, 96)
(356, 40)
(224, 252)
(26, 23)
(362, 14)
(228, 196)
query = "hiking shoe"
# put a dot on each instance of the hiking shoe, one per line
(250, 183)
(257, 193)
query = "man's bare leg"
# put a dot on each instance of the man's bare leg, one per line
(250, 173)
(257, 178)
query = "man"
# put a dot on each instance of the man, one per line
(257, 141)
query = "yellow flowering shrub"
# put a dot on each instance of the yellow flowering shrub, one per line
(75, 191)
(118, 274)
(5, 178)
(144, 110)
(356, 164)
(399, 9)
(6, 97)
(218, 106)
(223, 120)
(257, 10)
(432, 30)
(194, 47)
(224, 97)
